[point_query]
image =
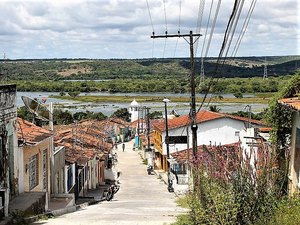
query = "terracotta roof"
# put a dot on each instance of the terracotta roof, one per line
(265, 129)
(201, 117)
(184, 155)
(83, 142)
(30, 133)
(293, 103)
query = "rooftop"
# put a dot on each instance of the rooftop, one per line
(202, 116)
(30, 133)
(293, 103)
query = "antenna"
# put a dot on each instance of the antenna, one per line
(38, 110)
(265, 69)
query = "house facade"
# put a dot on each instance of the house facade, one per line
(8, 146)
(213, 129)
(35, 144)
(293, 104)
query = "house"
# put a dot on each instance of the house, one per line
(35, 144)
(293, 104)
(8, 147)
(86, 155)
(182, 161)
(213, 129)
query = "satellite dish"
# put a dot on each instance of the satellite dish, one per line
(39, 110)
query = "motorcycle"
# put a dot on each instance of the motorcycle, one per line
(149, 169)
(112, 190)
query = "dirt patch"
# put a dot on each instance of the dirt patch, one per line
(74, 70)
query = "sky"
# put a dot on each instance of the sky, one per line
(121, 29)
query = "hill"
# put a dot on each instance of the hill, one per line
(97, 69)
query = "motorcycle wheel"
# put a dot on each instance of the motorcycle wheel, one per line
(116, 189)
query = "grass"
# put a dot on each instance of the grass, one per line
(287, 213)
(116, 99)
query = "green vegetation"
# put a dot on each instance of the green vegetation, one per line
(224, 189)
(174, 85)
(240, 75)
(112, 98)
(62, 116)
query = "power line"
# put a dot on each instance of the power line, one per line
(150, 16)
(213, 27)
(179, 24)
(165, 10)
(199, 21)
(239, 10)
(244, 28)
(223, 47)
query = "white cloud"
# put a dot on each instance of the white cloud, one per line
(122, 28)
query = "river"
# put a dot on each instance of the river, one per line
(108, 108)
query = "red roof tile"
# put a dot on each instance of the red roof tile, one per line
(201, 117)
(293, 103)
(187, 154)
(30, 133)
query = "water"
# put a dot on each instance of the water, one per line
(108, 108)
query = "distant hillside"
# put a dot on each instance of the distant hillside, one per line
(95, 69)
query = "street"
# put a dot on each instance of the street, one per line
(142, 198)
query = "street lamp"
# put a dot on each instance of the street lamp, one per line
(170, 183)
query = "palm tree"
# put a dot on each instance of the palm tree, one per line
(214, 108)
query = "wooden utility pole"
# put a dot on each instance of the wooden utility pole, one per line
(191, 43)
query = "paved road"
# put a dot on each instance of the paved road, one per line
(142, 199)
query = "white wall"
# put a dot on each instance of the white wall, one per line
(294, 180)
(215, 132)
(20, 169)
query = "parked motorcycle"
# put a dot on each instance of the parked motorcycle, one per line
(112, 190)
(149, 169)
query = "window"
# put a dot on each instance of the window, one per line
(70, 178)
(177, 139)
(179, 168)
(33, 172)
(45, 159)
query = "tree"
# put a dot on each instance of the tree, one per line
(238, 94)
(99, 116)
(74, 94)
(214, 108)
(62, 117)
(121, 113)
(155, 115)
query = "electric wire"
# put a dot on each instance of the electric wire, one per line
(221, 52)
(150, 16)
(165, 10)
(179, 28)
(166, 31)
(212, 27)
(199, 21)
(240, 7)
(244, 28)
(207, 25)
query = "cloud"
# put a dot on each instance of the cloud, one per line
(122, 28)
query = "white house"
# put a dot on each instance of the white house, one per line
(214, 128)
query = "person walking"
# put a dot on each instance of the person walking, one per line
(123, 146)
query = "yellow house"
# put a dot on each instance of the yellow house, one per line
(35, 143)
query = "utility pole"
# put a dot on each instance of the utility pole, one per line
(191, 43)
(148, 129)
